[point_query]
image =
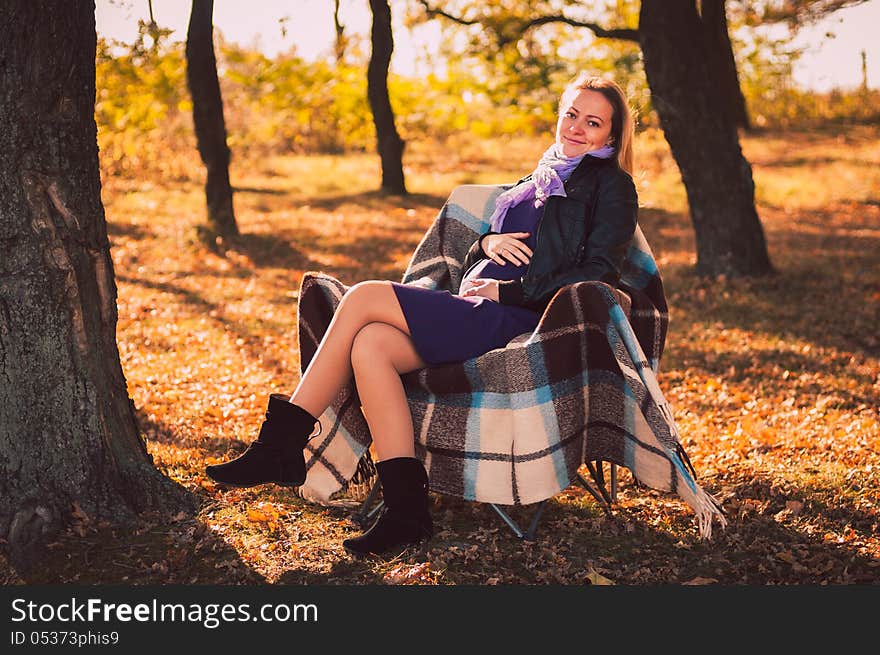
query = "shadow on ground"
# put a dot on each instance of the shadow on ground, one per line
(833, 273)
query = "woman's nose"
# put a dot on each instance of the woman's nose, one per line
(575, 127)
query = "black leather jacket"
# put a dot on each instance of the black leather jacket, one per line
(581, 237)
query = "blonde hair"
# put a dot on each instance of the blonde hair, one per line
(622, 122)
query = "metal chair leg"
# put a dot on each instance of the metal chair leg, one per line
(598, 485)
(613, 482)
(527, 535)
(597, 488)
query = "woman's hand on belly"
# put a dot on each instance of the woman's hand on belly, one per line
(487, 288)
(508, 246)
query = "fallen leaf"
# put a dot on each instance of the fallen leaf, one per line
(406, 574)
(700, 581)
(598, 579)
(786, 556)
(257, 516)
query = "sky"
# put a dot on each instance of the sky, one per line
(832, 57)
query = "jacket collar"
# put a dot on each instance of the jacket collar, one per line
(577, 183)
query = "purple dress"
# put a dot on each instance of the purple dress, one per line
(448, 328)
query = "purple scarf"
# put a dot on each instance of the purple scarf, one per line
(548, 179)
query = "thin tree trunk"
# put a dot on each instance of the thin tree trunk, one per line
(723, 62)
(388, 141)
(68, 433)
(340, 42)
(210, 126)
(703, 140)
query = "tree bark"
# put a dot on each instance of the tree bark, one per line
(723, 62)
(68, 433)
(210, 126)
(388, 141)
(703, 140)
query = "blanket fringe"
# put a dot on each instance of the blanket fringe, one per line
(706, 508)
(707, 511)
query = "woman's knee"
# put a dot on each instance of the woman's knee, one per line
(369, 345)
(362, 298)
(372, 301)
(366, 292)
(378, 344)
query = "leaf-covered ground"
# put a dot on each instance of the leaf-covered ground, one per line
(775, 382)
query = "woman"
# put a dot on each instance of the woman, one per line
(571, 220)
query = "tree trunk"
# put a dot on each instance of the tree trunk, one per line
(703, 140)
(204, 87)
(723, 62)
(68, 434)
(340, 42)
(388, 141)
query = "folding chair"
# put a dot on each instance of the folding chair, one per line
(515, 426)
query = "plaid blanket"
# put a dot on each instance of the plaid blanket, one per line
(514, 425)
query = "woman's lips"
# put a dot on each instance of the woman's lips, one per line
(579, 143)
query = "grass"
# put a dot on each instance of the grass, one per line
(775, 381)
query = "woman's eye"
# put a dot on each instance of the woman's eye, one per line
(569, 114)
(593, 124)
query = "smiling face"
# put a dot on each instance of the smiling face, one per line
(584, 124)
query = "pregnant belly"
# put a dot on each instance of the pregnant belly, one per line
(486, 268)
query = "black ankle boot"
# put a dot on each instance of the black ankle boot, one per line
(406, 519)
(277, 454)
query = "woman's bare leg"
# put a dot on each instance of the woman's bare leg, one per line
(380, 354)
(330, 369)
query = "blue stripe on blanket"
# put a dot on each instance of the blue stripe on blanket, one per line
(680, 467)
(463, 216)
(641, 268)
(543, 397)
